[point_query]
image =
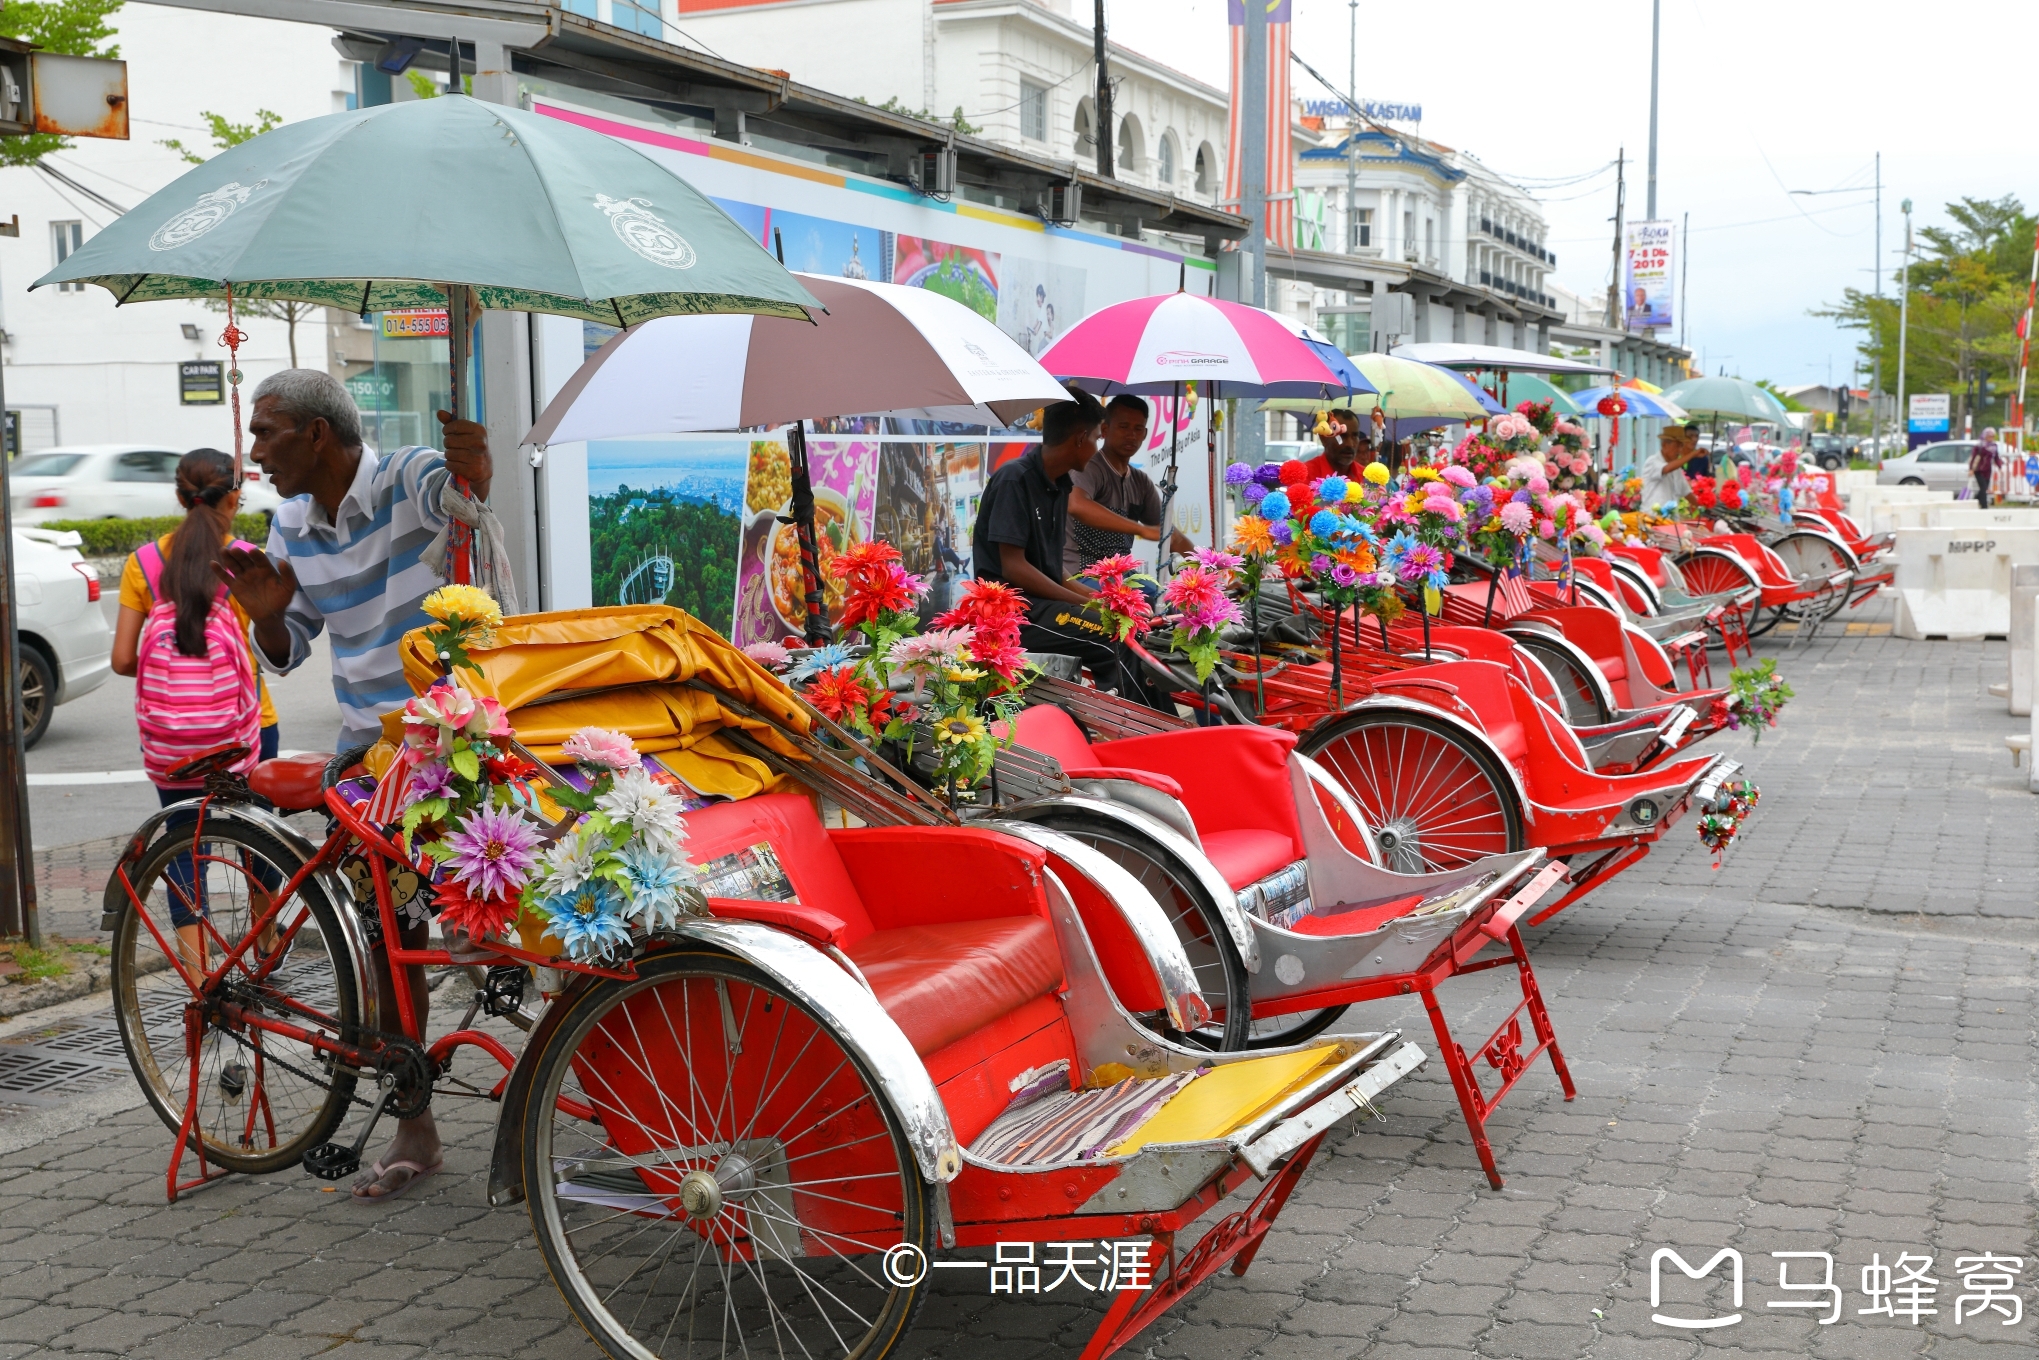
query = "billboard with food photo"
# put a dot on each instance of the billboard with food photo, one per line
(967, 275)
(771, 599)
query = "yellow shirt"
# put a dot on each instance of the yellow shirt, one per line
(135, 595)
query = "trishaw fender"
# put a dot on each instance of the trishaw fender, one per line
(1311, 778)
(114, 903)
(1555, 637)
(1141, 913)
(1639, 579)
(1471, 729)
(1169, 839)
(506, 1165)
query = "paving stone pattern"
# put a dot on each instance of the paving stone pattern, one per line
(1825, 1046)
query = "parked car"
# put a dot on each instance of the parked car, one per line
(1832, 451)
(66, 643)
(111, 481)
(1943, 466)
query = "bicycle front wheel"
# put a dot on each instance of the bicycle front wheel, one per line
(261, 1094)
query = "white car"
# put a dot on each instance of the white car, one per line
(112, 481)
(66, 643)
(1942, 466)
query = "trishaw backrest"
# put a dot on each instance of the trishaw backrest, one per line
(723, 839)
(1232, 778)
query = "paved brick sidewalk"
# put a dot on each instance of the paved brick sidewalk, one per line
(1825, 1046)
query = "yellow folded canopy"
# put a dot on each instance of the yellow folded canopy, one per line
(625, 668)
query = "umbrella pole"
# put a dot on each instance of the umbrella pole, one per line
(459, 337)
(1168, 485)
(803, 530)
(1337, 672)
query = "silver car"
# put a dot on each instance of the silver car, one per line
(111, 481)
(66, 646)
(1941, 466)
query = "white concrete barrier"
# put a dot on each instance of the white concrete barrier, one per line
(1956, 582)
(1881, 508)
(2024, 744)
(2024, 636)
(1969, 515)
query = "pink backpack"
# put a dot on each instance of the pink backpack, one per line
(188, 706)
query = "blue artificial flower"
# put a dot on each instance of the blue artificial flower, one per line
(1324, 523)
(1331, 489)
(656, 881)
(588, 921)
(1438, 580)
(1268, 475)
(1238, 474)
(1254, 493)
(819, 660)
(1276, 505)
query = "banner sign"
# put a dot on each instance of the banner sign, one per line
(1647, 285)
(419, 325)
(1380, 110)
(1930, 413)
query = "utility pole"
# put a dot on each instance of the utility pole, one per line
(1252, 96)
(1656, 27)
(1684, 274)
(1617, 310)
(1876, 354)
(1352, 136)
(1904, 308)
(1104, 99)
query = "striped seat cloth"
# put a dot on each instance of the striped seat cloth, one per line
(1075, 1125)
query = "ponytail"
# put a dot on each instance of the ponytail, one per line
(205, 478)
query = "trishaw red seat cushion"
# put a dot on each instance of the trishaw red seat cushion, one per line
(293, 783)
(946, 981)
(1244, 856)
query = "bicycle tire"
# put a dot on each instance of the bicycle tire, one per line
(690, 1002)
(302, 1111)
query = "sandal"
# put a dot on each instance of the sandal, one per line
(383, 1168)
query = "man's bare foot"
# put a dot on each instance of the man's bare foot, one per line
(411, 1156)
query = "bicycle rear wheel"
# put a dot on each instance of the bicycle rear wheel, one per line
(712, 1170)
(263, 1097)
(1433, 798)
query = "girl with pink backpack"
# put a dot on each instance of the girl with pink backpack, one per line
(185, 641)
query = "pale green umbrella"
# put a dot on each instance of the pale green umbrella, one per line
(373, 210)
(1413, 395)
(1726, 399)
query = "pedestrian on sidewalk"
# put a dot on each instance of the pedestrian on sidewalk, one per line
(1982, 462)
(185, 642)
(356, 545)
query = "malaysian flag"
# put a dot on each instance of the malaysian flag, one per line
(1281, 162)
(1514, 592)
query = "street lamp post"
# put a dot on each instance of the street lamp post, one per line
(1904, 306)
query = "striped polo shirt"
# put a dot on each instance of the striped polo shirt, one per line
(362, 575)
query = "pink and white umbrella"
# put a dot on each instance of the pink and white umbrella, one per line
(1154, 344)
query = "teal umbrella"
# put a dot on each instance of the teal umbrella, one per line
(379, 208)
(1726, 399)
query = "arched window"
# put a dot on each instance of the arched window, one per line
(1206, 169)
(1086, 128)
(1132, 147)
(1165, 167)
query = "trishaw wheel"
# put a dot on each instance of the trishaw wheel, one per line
(713, 1170)
(1432, 795)
(263, 1097)
(1199, 927)
(1806, 554)
(1279, 1031)
(1583, 705)
(1709, 571)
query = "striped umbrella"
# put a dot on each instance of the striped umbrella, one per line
(1153, 345)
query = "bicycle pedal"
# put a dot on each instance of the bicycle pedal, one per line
(332, 1161)
(233, 1080)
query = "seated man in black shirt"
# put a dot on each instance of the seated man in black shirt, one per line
(1022, 521)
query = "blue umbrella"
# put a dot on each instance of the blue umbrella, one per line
(1641, 405)
(1341, 367)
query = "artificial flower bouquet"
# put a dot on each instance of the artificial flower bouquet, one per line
(1754, 698)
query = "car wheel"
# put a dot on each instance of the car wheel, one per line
(38, 695)
(1911, 481)
(1832, 463)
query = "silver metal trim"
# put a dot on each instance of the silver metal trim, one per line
(1275, 1147)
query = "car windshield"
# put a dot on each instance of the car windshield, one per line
(47, 465)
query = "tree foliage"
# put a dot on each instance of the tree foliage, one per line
(77, 28)
(630, 528)
(1968, 282)
(225, 135)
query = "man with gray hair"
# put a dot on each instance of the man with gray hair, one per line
(348, 550)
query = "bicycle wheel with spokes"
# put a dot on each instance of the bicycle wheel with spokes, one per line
(712, 1170)
(1220, 969)
(1434, 798)
(263, 1095)
(1580, 691)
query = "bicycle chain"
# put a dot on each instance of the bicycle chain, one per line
(409, 1054)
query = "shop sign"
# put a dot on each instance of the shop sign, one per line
(201, 382)
(1930, 412)
(372, 392)
(414, 325)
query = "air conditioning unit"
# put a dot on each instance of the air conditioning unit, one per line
(934, 171)
(1062, 203)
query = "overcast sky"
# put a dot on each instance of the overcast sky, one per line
(1759, 97)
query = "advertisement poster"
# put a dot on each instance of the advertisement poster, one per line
(818, 245)
(771, 598)
(1649, 276)
(968, 276)
(1037, 302)
(664, 516)
(1931, 413)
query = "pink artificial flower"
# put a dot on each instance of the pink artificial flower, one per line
(1538, 483)
(432, 719)
(1596, 535)
(1515, 518)
(938, 649)
(1546, 528)
(1218, 560)
(768, 654)
(599, 746)
(1105, 568)
(1458, 476)
(1198, 595)
(1444, 506)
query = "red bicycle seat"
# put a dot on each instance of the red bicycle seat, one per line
(294, 783)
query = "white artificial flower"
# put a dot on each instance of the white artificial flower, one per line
(569, 862)
(648, 808)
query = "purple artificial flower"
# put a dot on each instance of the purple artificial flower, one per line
(1344, 575)
(1268, 475)
(1319, 564)
(1238, 474)
(1420, 562)
(1254, 493)
(493, 852)
(1521, 496)
(1281, 532)
(433, 779)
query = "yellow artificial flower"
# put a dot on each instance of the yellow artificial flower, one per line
(1252, 535)
(1354, 492)
(959, 729)
(963, 675)
(1423, 474)
(1414, 503)
(1377, 473)
(470, 604)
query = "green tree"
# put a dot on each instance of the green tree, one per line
(1968, 282)
(225, 136)
(77, 28)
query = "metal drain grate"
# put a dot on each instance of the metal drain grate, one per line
(31, 1077)
(93, 1041)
